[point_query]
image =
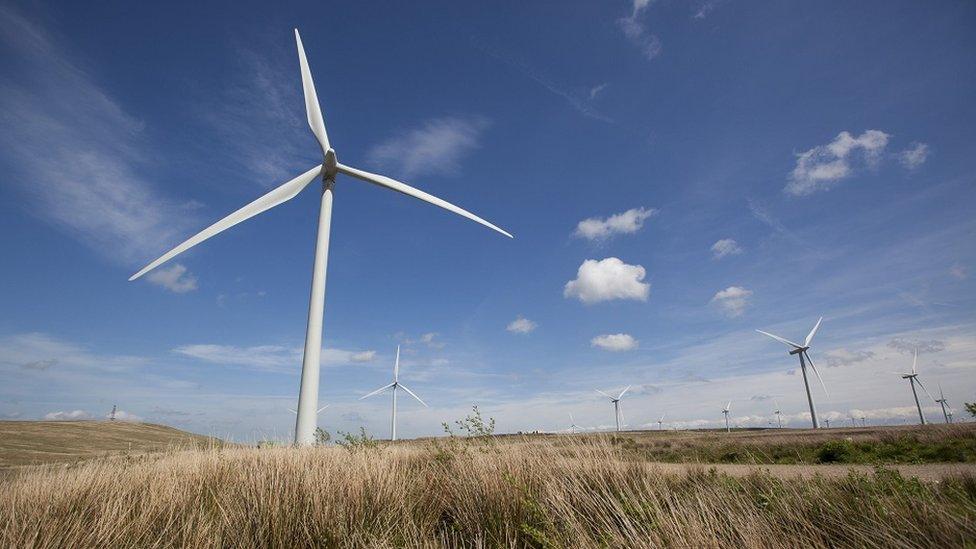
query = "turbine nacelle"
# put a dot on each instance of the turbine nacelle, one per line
(799, 350)
(330, 166)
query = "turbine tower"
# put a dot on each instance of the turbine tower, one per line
(326, 171)
(946, 409)
(616, 404)
(779, 419)
(395, 385)
(725, 412)
(913, 379)
(801, 350)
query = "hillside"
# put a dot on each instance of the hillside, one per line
(43, 442)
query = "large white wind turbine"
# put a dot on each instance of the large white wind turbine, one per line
(913, 379)
(801, 350)
(616, 404)
(327, 172)
(946, 409)
(395, 385)
(725, 412)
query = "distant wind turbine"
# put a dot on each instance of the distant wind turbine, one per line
(827, 422)
(946, 409)
(660, 422)
(572, 424)
(913, 379)
(801, 350)
(725, 412)
(779, 419)
(616, 404)
(327, 171)
(395, 385)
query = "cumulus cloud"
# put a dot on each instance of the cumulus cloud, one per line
(628, 222)
(122, 415)
(823, 166)
(908, 346)
(724, 247)
(914, 156)
(436, 147)
(174, 279)
(648, 43)
(732, 300)
(606, 280)
(74, 415)
(521, 325)
(845, 357)
(614, 342)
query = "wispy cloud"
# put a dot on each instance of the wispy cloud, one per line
(435, 147)
(914, 156)
(76, 153)
(574, 99)
(271, 358)
(521, 325)
(725, 247)
(648, 44)
(629, 222)
(174, 279)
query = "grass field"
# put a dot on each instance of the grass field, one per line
(540, 491)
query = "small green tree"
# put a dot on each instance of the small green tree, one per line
(473, 425)
(352, 442)
(322, 437)
(971, 408)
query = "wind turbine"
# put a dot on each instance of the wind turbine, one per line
(317, 412)
(801, 350)
(616, 404)
(660, 422)
(946, 413)
(779, 419)
(395, 385)
(827, 422)
(913, 379)
(728, 408)
(572, 424)
(327, 171)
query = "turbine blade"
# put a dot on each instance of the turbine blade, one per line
(624, 391)
(319, 411)
(396, 365)
(814, 367)
(728, 407)
(312, 108)
(404, 387)
(915, 360)
(780, 339)
(395, 185)
(923, 388)
(292, 411)
(281, 194)
(813, 332)
(604, 394)
(378, 391)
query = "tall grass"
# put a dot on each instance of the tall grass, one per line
(584, 493)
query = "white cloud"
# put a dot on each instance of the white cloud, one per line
(628, 222)
(908, 346)
(39, 352)
(958, 272)
(823, 166)
(914, 156)
(614, 342)
(521, 325)
(845, 357)
(706, 8)
(597, 90)
(363, 356)
(725, 247)
(732, 300)
(271, 358)
(122, 415)
(174, 279)
(648, 43)
(434, 148)
(74, 415)
(606, 280)
(55, 116)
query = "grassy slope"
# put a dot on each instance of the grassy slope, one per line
(43, 442)
(532, 492)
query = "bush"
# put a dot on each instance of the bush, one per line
(838, 451)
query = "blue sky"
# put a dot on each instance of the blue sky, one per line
(677, 174)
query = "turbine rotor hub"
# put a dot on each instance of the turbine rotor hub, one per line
(330, 165)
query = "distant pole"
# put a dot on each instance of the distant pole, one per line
(727, 428)
(112, 416)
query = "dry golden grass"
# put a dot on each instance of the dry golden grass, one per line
(574, 492)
